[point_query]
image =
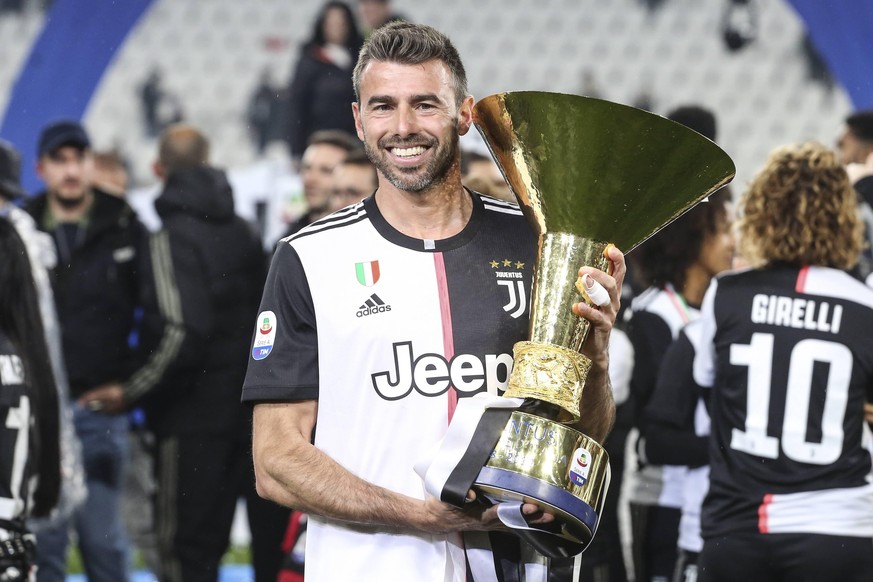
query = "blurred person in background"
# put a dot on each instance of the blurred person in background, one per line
(855, 149)
(10, 174)
(676, 266)
(676, 425)
(42, 257)
(110, 173)
(353, 180)
(678, 262)
(30, 474)
(325, 150)
(786, 349)
(321, 91)
(101, 279)
(209, 266)
(376, 13)
(479, 172)
(263, 111)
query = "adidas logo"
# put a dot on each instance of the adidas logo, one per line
(373, 304)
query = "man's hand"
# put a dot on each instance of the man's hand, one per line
(108, 398)
(476, 516)
(602, 318)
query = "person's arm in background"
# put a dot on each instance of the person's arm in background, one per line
(650, 337)
(671, 421)
(175, 321)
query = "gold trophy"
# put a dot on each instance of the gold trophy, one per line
(586, 173)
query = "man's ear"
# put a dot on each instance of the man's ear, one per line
(158, 169)
(359, 128)
(465, 115)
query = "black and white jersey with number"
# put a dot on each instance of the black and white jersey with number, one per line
(15, 465)
(788, 352)
(658, 316)
(387, 332)
(677, 430)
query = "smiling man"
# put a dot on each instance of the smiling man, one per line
(378, 318)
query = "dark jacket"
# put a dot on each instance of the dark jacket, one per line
(99, 283)
(210, 268)
(864, 188)
(320, 97)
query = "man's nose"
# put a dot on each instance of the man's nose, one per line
(407, 122)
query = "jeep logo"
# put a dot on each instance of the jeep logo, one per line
(432, 375)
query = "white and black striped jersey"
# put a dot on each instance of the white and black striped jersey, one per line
(15, 415)
(788, 352)
(658, 316)
(387, 332)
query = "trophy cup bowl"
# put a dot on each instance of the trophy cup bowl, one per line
(586, 173)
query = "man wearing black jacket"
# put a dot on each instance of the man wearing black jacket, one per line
(100, 281)
(210, 268)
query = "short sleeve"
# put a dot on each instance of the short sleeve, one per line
(283, 359)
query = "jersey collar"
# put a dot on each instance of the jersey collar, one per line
(393, 235)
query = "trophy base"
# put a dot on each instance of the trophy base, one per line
(577, 520)
(559, 469)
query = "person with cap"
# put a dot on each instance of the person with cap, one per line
(102, 277)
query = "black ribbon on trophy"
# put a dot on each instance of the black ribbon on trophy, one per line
(587, 173)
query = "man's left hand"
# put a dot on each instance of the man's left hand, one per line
(602, 318)
(108, 398)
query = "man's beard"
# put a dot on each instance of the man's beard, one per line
(435, 170)
(70, 203)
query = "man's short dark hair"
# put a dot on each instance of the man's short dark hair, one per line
(335, 137)
(181, 147)
(471, 157)
(861, 125)
(698, 118)
(411, 44)
(358, 157)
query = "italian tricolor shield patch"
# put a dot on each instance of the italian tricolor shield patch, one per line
(367, 273)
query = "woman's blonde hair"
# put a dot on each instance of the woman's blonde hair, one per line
(801, 209)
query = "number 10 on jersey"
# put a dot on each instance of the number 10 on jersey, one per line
(758, 357)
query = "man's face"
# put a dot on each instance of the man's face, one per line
(352, 183)
(317, 165)
(717, 250)
(851, 149)
(373, 13)
(489, 173)
(410, 123)
(66, 173)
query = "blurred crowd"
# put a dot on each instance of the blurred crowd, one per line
(127, 346)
